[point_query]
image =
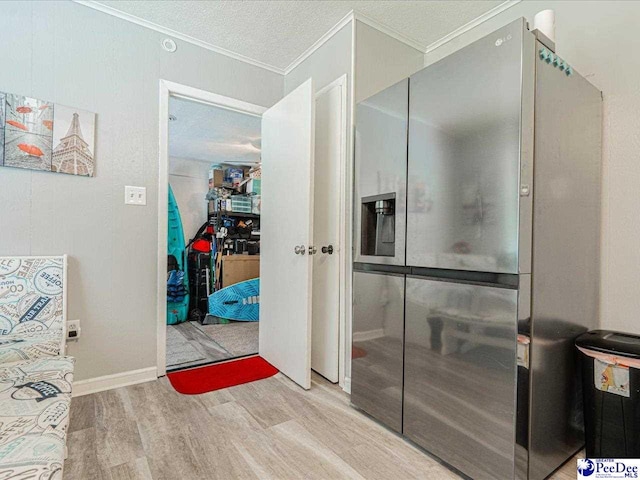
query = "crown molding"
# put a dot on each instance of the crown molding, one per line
(352, 16)
(392, 32)
(321, 41)
(180, 36)
(472, 24)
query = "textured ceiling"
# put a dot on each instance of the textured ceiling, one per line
(212, 134)
(278, 32)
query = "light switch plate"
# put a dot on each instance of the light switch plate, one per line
(135, 195)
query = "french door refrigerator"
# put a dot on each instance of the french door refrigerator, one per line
(477, 226)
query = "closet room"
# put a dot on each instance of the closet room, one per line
(213, 220)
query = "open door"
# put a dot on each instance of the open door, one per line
(286, 231)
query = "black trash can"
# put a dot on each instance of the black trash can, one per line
(610, 364)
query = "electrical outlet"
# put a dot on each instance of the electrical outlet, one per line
(135, 195)
(73, 329)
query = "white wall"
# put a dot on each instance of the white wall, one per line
(600, 39)
(189, 180)
(73, 55)
(381, 61)
(330, 61)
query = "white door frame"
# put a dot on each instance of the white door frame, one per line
(344, 304)
(171, 89)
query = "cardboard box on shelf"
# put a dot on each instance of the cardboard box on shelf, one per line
(238, 268)
(216, 178)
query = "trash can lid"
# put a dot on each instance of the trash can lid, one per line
(608, 341)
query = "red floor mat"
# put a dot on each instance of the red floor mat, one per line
(223, 375)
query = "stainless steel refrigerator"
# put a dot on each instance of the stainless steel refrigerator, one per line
(477, 227)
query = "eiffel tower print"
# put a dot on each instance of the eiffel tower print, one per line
(73, 154)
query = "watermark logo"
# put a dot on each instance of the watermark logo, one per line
(586, 467)
(608, 468)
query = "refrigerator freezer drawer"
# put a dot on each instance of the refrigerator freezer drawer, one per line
(460, 374)
(378, 329)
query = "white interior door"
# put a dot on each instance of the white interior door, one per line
(286, 224)
(329, 149)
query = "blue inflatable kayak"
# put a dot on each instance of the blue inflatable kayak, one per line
(237, 302)
(177, 312)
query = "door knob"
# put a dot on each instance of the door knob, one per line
(312, 250)
(328, 249)
(299, 249)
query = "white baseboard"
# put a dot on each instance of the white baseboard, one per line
(117, 380)
(368, 335)
(347, 385)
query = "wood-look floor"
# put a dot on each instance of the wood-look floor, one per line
(269, 429)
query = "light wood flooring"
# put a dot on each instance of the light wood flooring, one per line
(269, 429)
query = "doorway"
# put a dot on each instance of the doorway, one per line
(327, 319)
(213, 257)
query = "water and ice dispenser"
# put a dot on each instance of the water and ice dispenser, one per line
(379, 225)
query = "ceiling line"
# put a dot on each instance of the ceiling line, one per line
(401, 37)
(392, 32)
(181, 36)
(349, 17)
(321, 41)
(352, 15)
(472, 24)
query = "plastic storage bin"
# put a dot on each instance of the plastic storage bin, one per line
(241, 204)
(610, 364)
